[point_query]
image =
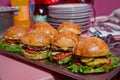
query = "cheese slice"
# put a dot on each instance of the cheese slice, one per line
(97, 61)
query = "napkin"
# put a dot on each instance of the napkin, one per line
(115, 29)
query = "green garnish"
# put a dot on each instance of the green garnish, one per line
(11, 48)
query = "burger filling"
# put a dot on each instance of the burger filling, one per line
(57, 49)
(94, 61)
(94, 65)
(36, 52)
(61, 55)
(37, 48)
(62, 58)
(11, 48)
(12, 42)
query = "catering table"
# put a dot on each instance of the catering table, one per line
(11, 69)
(16, 67)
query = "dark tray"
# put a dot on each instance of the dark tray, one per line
(63, 70)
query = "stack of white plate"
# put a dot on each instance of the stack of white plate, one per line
(78, 13)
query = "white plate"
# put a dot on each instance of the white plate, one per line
(81, 24)
(64, 6)
(72, 11)
(69, 15)
(72, 20)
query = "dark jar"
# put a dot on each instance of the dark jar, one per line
(40, 11)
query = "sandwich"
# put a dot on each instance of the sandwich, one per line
(61, 46)
(92, 55)
(44, 27)
(36, 45)
(12, 38)
(69, 26)
(14, 34)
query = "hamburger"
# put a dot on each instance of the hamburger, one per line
(92, 55)
(44, 27)
(69, 26)
(36, 46)
(61, 46)
(12, 38)
(14, 34)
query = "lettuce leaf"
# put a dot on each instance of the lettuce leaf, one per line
(87, 69)
(11, 48)
(41, 54)
(114, 62)
(65, 60)
(47, 54)
(82, 69)
(0, 43)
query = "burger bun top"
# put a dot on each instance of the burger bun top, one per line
(36, 39)
(69, 26)
(44, 27)
(16, 32)
(65, 39)
(91, 47)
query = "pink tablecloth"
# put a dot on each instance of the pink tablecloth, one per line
(14, 70)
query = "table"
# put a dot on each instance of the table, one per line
(11, 69)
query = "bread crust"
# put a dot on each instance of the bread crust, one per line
(69, 26)
(16, 32)
(45, 27)
(37, 57)
(65, 39)
(36, 39)
(91, 47)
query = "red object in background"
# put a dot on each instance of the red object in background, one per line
(71, 1)
(40, 12)
(52, 2)
(47, 1)
(40, 9)
(39, 1)
(42, 5)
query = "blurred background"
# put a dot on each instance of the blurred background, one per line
(103, 7)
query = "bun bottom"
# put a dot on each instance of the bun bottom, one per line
(34, 56)
(93, 71)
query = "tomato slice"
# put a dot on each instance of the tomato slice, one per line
(31, 52)
(61, 56)
(108, 62)
(78, 63)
